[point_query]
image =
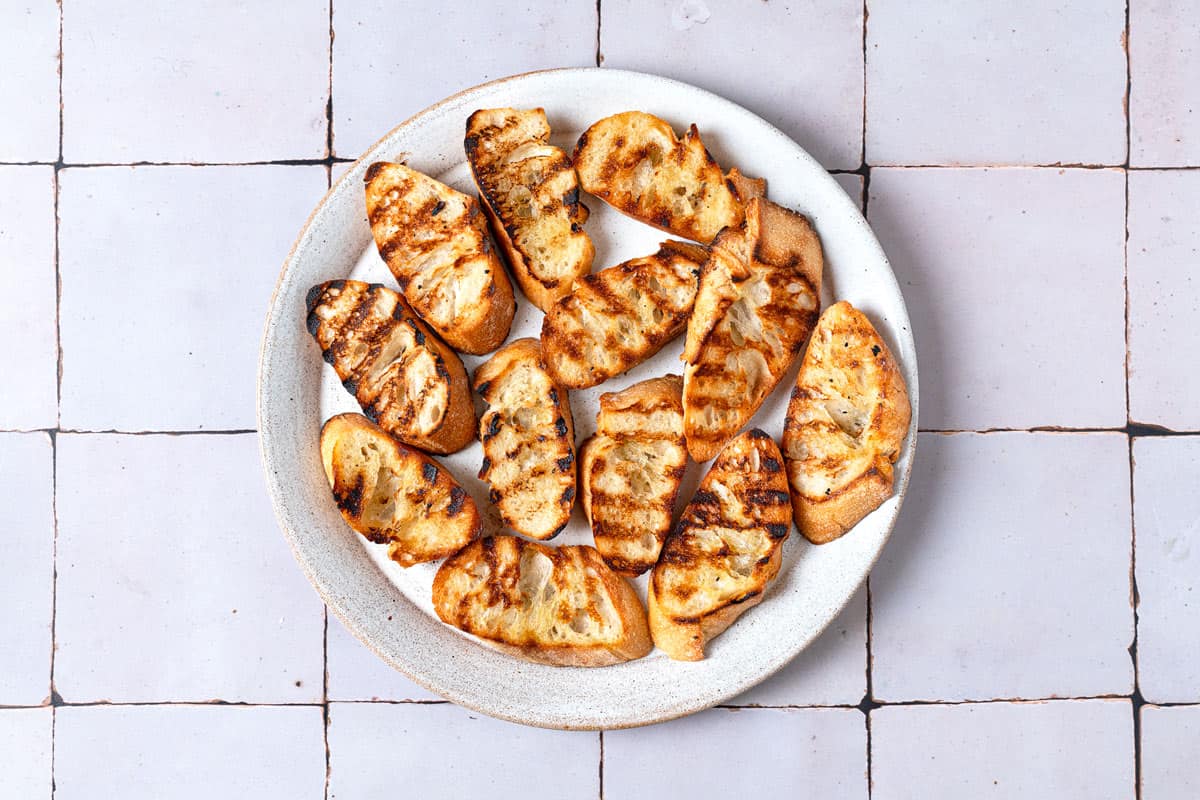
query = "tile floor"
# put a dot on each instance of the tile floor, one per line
(1031, 630)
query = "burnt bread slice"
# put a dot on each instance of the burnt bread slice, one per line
(405, 378)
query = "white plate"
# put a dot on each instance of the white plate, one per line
(389, 608)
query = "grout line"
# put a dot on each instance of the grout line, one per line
(58, 702)
(601, 765)
(868, 703)
(1133, 429)
(599, 55)
(325, 693)
(114, 432)
(1056, 165)
(866, 15)
(287, 162)
(58, 422)
(316, 162)
(329, 96)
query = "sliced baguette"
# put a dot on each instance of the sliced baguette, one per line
(393, 495)
(434, 241)
(528, 441)
(726, 548)
(847, 418)
(403, 376)
(634, 162)
(531, 194)
(559, 606)
(630, 472)
(757, 302)
(618, 317)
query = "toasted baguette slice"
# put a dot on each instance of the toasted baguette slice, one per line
(724, 551)
(434, 240)
(528, 441)
(630, 472)
(757, 302)
(618, 317)
(847, 418)
(634, 162)
(403, 376)
(531, 194)
(393, 495)
(559, 606)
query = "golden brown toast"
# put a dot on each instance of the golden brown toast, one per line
(847, 418)
(528, 440)
(393, 495)
(725, 550)
(618, 317)
(403, 376)
(634, 162)
(561, 606)
(757, 302)
(531, 194)
(630, 472)
(434, 241)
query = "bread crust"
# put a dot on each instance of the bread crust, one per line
(405, 378)
(616, 318)
(559, 606)
(528, 438)
(756, 304)
(630, 472)
(434, 241)
(394, 495)
(530, 193)
(725, 550)
(634, 162)
(845, 423)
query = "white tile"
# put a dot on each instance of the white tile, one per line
(853, 186)
(815, 752)
(798, 66)
(1008, 575)
(27, 591)
(25, 747)
(830, 671)
(219, 81)
(29, 380)
(166, 274)
(356, 673)
(389, 64)
(1014, 280)
(174, 582)
(189, 752)
(1170, 742)
(374, 748)
(1066, 749)
(1166, 511)
(1164, 298)
(991, 82)
(1164, 101)
(29, 90)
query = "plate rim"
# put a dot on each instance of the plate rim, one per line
(328, 597)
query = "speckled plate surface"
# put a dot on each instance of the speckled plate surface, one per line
(389, 608)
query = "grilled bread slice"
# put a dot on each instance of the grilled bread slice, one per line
(531, 194)
(559, 606)
(847, 418)
(630, 472)
(434, 240)
(405, 379)
(528, 441)
(725, 550)
(757, 302)
(634, 162)
(393, 495)
(618, 317)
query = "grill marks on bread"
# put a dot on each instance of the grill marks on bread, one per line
(630, 472)
(725, 549)
(531, 194)
(404, 378)
(846, 421)
(634, 162)
(560, 606)
(395, 496)
(434, 241)
(528, 441)
(618, 317)
(757, 302)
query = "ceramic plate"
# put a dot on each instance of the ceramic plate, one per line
(388, 607)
